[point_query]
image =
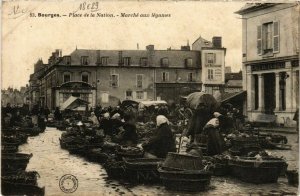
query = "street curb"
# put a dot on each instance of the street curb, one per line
(278, 131)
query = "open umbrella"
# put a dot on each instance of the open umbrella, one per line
(194, 99)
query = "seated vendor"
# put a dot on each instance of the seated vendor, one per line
(16, 119)
(94, 119)
(129, 136)
(162, 142)
(105, 124)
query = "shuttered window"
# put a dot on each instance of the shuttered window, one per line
(259, 40)
(210, 74)
(275, 37)
(139, 81)
(114, 80)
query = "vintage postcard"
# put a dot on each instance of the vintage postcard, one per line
(149, 97)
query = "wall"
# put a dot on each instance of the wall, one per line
(288, 18)
(127, 81)
(219, 65)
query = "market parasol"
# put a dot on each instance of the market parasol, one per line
(194, 99)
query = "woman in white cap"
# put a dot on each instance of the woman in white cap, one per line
(162, 142)
(94, 119)
(105, 124)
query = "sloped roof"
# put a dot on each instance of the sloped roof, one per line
(250, 7)
(203, 40)
(233, 76)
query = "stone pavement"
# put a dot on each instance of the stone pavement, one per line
(287, 130)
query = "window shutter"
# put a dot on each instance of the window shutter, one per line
(134, 95)
(145, 95)
(206, 57)
(259, 40)
(110, 80)
(276, 36)
(117, 80)
(215, 58)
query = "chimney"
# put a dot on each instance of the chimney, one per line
(150, 47)
(185, 48)
(217, 42)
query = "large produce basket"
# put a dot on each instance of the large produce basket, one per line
(142, 170)
(292, 176)
(129, 153)
(185, 180)
(249, 169)
(115, 169)
(14, 162)
(9, 148)
(11, 188)
(96, 155)
(221, 167)
(245, 141)
(182, 162)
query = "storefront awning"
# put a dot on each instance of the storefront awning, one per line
(73, 102)
(229, 96)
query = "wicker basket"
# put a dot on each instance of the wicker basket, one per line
(245, 141)
(292, 176)
(182, 162)
(185, 180)
(142, 170)
(249, 169)
(115, 169)
(137, 153)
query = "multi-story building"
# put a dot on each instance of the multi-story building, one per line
(213, 63)
(271, 60)
(34, 83)
(107, 77)
(233, 82)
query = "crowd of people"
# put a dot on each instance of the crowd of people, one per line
(22, 116)
(120, 124)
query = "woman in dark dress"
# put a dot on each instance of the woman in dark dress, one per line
(162, 142)
(215, 143)
(129, 136)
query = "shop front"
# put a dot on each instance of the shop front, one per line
(82, 90)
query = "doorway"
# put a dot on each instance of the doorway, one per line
(270, 96)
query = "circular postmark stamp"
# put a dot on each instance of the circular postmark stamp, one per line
(68, 183)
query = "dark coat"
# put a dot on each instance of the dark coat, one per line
(215, 144)
(106, 125)
(130, 135)
(162, 142)
(198, 121)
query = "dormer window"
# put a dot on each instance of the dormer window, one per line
(189, 62)
(104, 60)
(144, 61)
(67, 60)
(84, 60)
(126, 61)
(165, 62)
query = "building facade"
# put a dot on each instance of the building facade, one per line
(271, 60)
(107, 77)
(213, 63)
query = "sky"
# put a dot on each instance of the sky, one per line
(25, 39)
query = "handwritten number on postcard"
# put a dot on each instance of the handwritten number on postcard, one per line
(93, 7)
